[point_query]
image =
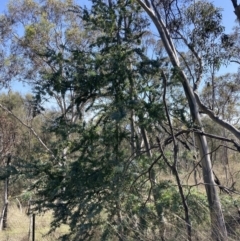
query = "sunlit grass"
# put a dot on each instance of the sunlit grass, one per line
(19, 226)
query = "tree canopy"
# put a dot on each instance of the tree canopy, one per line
(143, 129)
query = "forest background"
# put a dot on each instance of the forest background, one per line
(130, 127)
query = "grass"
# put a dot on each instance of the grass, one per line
(19, 224)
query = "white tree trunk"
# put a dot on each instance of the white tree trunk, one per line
(4, 214)
(219, 232)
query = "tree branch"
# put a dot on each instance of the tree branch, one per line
(216, 119)
(234, 2)
(162, 31)
(236, 8)
(29, 127)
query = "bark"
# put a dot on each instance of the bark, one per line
(132, 125)
(3, 221)
(219, 231)
(236, 9)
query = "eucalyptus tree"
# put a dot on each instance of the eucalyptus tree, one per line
(226, 107)
(46, 29)
(171, 20)
(18, 146)
(8, 134)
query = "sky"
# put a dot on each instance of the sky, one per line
(229, 20)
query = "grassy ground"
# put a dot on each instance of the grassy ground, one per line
(19, 224)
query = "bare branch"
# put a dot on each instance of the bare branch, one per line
(219, 138)
(29, 127)
(169, 120)
(216, 119)
(235, 61)
(200, 70)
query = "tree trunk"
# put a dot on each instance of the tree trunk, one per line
(219, 232)
(236, 9)
(3, 221)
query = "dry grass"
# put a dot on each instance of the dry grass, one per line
(19, 224)
(230, 211)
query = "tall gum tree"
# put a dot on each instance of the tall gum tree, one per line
(217, 220)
